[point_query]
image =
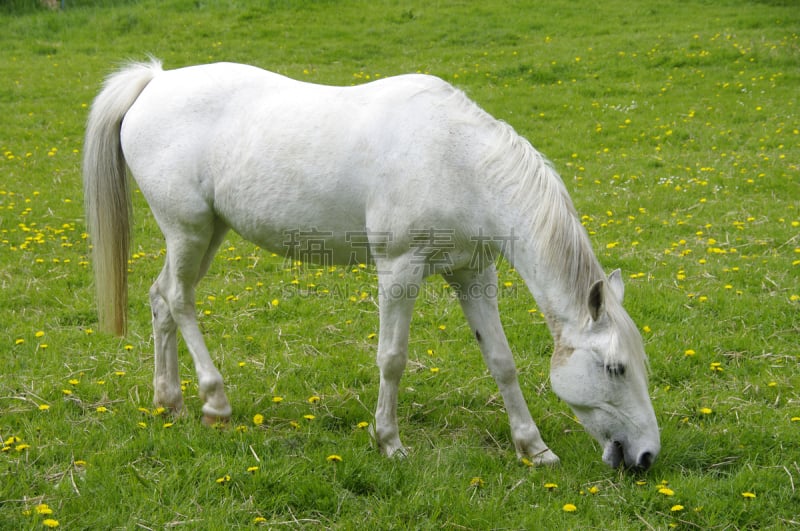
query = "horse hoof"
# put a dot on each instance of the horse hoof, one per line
(214, 421)
(546, 458)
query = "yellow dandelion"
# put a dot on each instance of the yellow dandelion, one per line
(748, 495)
(309, 417)
(224, 479)
(167, 425)
(689, 352)
(569, 508)
(476, 482)
(43, 508)
(594, 489)
(101, 409)
(49, 522)
(706, 410)
(252, 469)
(434, 370)
(666, 491)
(43, 407)
(676, 508)
(333, 458)
(258, 419)
(313, 399)
(550, 486)
(277, 399)
(525, 461)
(259, 520)
(40, 333)
(361, 425)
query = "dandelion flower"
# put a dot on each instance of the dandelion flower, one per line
(43, 407)
(277, 399)
(550, 486)
(259, 520)
(258, 419)
(313, 399)
(224, 479)
(49, 522)
(333, 458)
(706, 410)
(476, 482)
(676, 508)
(666, 491)
(748, 495)
(101, 409)
(309, 417)
(525, 461)
(252, 469)
(569, 508)
(43, 508)
(594, 489)
(361, 425)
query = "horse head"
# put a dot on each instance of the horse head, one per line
(599, 369)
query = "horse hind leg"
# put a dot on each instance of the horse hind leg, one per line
(172, 303)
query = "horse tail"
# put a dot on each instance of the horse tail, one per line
(107, 195)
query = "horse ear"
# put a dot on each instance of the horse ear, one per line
(596, 300)
(616, 285)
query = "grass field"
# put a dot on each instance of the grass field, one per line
(676, 128)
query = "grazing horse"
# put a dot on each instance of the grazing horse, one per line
(407, 170)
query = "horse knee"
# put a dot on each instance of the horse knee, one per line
(392, 363)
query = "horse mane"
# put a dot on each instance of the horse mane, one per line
(559, 241)
(558, 238)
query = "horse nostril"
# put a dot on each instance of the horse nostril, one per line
(645, 460)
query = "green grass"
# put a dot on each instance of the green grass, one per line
(675, 128)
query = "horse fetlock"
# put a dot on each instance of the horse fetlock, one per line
(168, 397)
(388, 441)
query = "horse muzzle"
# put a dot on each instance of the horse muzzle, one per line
(618, 452)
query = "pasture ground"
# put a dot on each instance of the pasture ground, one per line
(675, 127)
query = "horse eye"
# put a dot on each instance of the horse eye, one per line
(615, 369)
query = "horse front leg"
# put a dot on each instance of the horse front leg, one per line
(477, 293)
(396, 296)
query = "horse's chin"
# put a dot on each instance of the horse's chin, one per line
(613, 454)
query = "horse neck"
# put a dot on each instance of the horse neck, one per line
(551, 249)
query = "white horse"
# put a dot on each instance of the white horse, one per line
(407, 169)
